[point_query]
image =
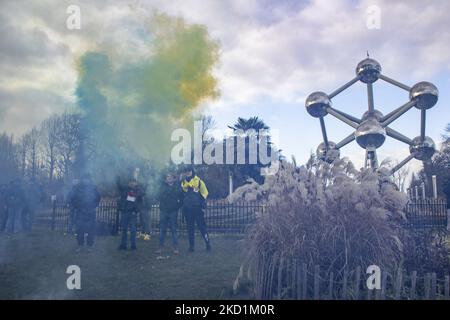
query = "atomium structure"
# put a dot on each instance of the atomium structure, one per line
(371, 129)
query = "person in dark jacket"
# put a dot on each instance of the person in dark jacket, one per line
(72, 212)
(170, 200)
(3, 208)
(85, 199)
(15, 202)
(35, 196)
(131, 203)
(195, 194)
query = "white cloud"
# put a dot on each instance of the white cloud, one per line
(280, 50)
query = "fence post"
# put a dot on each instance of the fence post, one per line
(383, 285)
(299, 281)
(305, 280)
(357, 281)
(117, 221)
(317, 282)
(280, 278)
(433, 286)
(448, 219)
(427, 286)
(293, 278)
(258, 275)
(447, 288)
(378, 294)
(344, 285)
(413, 285)
(270, 277)
(369, 293)
(330, 286)
(53, 213)
(267, 278)
(398, 284)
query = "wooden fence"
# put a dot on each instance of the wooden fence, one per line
(289, 279)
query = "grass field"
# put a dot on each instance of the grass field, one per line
(33, 266)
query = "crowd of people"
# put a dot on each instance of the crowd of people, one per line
(188, 193)
(19, 200)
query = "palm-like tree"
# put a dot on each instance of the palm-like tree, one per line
(247, 124)
(246, 128)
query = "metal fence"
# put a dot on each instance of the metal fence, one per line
(220, 215)
(224, 217)
(427, 213)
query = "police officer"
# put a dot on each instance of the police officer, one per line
(195, 194)
(85, 199)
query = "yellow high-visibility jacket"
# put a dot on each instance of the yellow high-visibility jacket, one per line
(197, 185)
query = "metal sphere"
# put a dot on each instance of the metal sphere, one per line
(422, 150)
(368, 70)
(375, 114)
(370, 133)
(316, 104)
(425, 93)
(329, 154)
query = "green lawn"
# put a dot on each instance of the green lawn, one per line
(33, 266)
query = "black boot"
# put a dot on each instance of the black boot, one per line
(207, 243)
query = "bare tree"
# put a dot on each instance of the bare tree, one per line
(8, 160)
(68, 142)
(51, 130)
(208, 123)
(401, 177)
(22, 153)
(32, 140)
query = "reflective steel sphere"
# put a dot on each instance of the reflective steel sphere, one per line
(375, 114)
(422, 150)
(370, 133)
(368, 70)
(425, 93)
(328, 155)
(316, 104)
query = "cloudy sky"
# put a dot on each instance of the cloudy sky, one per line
(272, 55)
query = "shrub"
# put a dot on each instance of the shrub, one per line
(328, 215)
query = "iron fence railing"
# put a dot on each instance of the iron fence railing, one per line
(224, 217)
(427, 213)
(220, 215)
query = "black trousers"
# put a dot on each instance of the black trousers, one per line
(85, 224)
(129, 220)
(3, 219)
(195, 215)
